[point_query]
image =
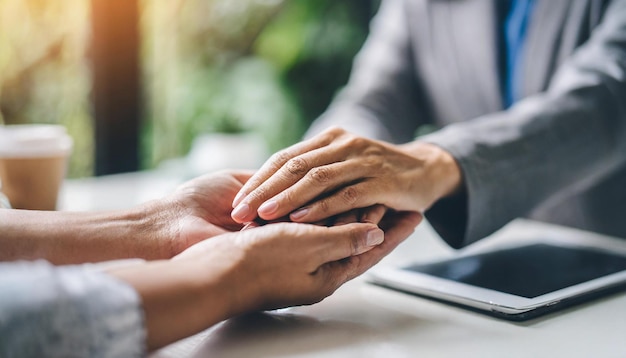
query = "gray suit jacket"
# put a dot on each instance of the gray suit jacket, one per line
(558, 155)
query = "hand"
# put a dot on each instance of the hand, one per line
(397, 227)
(159, 229)
(269, 267)
(373, 214)
(200, 208)
(287, 264)
(336, 171)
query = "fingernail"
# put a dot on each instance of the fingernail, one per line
(250, 225)
(375, 237)
(238, 198)
(241, 212)
(269, 207)
(299, 214)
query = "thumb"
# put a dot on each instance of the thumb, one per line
(343, 241)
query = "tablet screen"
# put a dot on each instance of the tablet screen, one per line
(527, 271)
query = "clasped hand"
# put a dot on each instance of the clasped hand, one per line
(336, 172)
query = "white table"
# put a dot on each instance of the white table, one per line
(363, 320)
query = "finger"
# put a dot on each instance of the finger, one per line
(291, 173)
(339, 242)
(373, 214)
(279, 159)
(397, 228)
(252, 196)
(327, 222)
(318, 181)
(310, 166)
(359, 195)
(401, 226)
(351, 216)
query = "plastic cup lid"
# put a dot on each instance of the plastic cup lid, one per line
(34, 140)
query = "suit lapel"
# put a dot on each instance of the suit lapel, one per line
(542, 44)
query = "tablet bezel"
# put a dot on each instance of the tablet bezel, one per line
(506, 304)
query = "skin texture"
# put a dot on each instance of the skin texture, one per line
(200, 261)
(273, 266)
(160, 229)
(336, 171)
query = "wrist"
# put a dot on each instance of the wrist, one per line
(172, 293)
(140, 232)
(441, 169)
(155, 229)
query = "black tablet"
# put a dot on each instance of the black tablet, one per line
(516, 282)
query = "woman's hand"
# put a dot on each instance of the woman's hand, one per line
(268, 267)
(159, 229)
(200, 208)
(336, 171)
(282, 264)
(287, 264)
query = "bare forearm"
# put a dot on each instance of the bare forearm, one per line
(66, 237)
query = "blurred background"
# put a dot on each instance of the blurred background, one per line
(138, 82)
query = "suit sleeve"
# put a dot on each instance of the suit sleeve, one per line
(382, 84)
(564, 139)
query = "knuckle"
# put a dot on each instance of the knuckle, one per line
(355, 142)
(374, 158)
(373, 164)
(323, 206)
(350, 195)
(332, 133)
(289, 197)
(280, 157)
(260, 194)
(297, 166)
(321, 175)
(335, 131)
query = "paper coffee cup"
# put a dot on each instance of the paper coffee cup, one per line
(33, 162)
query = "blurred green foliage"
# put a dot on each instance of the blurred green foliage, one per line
(269, 66)
(44, 77)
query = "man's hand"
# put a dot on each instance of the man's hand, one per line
(336, 171)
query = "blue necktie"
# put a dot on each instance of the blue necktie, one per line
(515, 34)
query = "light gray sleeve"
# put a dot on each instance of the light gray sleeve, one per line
(382, 84)
(67, 311)
(564, 139)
